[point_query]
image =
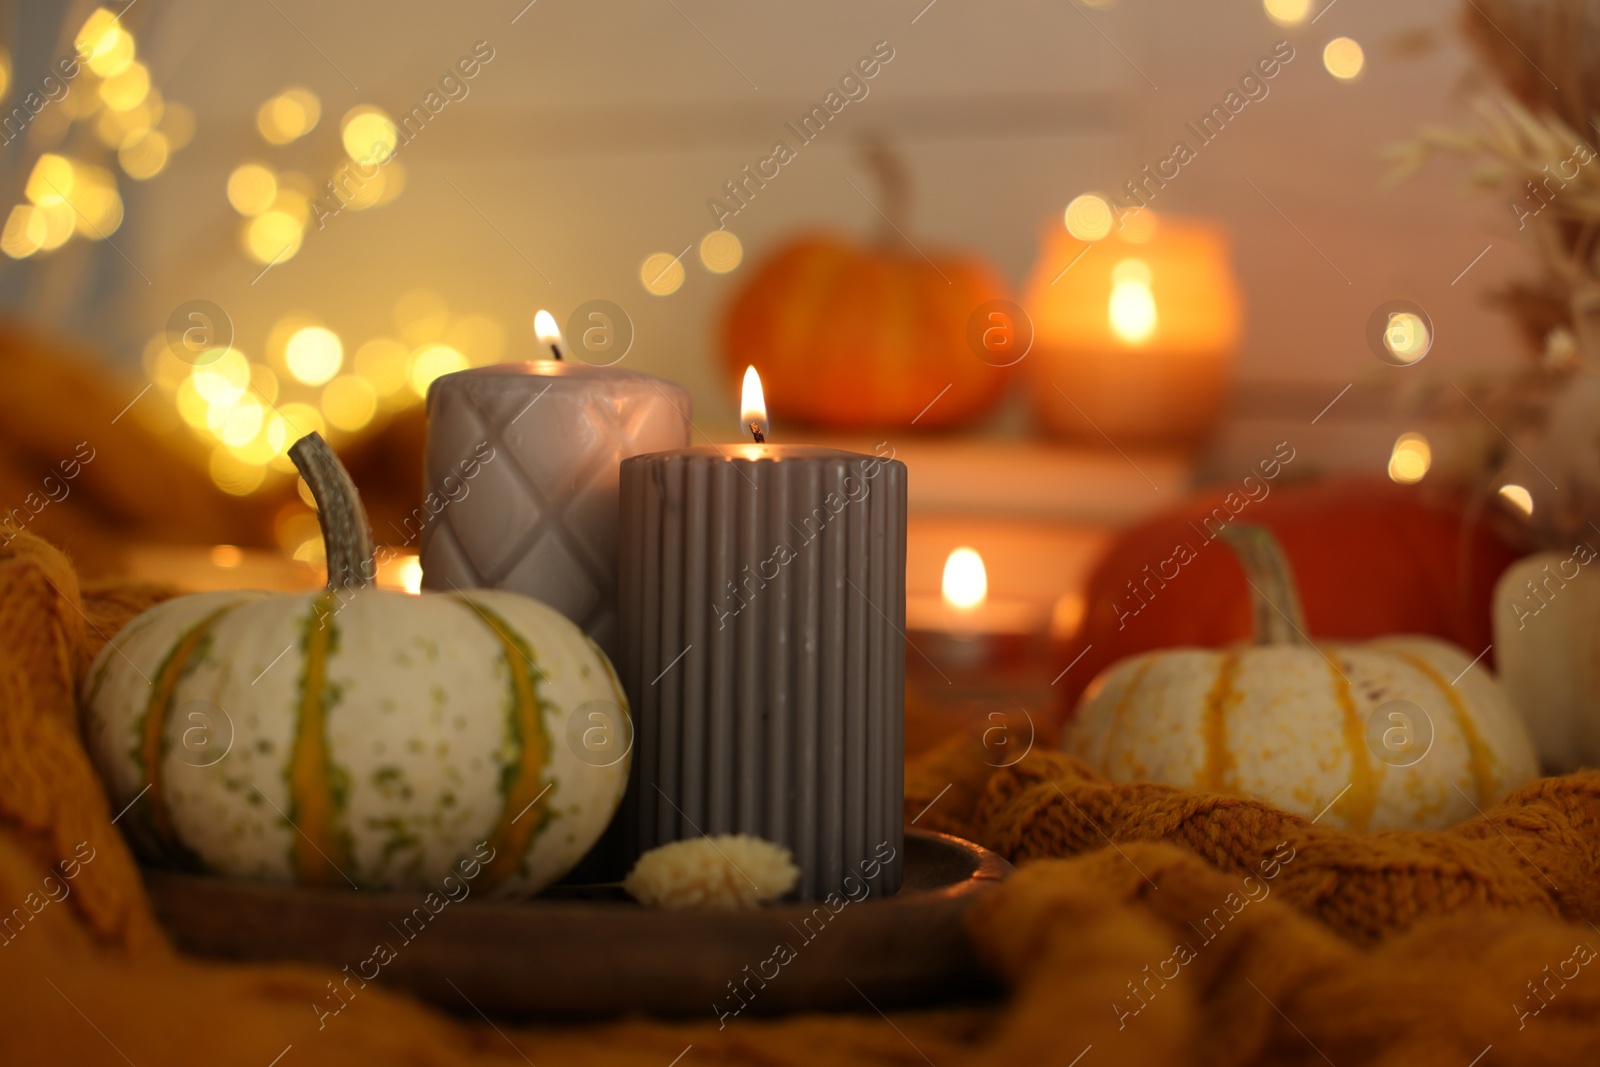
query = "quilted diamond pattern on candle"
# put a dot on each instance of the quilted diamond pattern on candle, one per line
(538, 516)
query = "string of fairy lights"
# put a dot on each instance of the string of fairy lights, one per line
(111, 123)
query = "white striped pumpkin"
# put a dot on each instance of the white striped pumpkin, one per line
(1308, 726)
(377, 739)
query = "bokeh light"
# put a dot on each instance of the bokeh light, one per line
(1088, 217)
(252, 187)
(1410, 459)
(349, 402)
(128, 89)
(430, 362)
(144, 155)
(1344, 59)
(1406, 337)
(314, 355)
(1518, 497)
(272, 237)
(720, 251)
(661, 273)
(382, 362)
(1287, 12)
(289, 116)
(368, 135)
(421, 315)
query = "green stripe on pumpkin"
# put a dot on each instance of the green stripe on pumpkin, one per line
(526, 804)
(149, 754)
(320, 848)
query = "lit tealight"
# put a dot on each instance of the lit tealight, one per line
(1410, 459)
(1518, 498)
(1132, 310)
(1344, 59)
(966, 582)
(1088, 217)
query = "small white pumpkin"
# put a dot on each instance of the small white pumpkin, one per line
(355, 736)
(1547, 645)
(1398, 732)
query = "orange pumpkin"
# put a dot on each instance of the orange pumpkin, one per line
(853, 335)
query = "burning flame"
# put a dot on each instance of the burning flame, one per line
(1132, 312)
(966, 583)
(753, 405)
(549, 334)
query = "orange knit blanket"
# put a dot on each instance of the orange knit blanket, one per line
(1147, 924)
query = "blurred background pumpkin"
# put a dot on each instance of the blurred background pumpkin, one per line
(855, 335)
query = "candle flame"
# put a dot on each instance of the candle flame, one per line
(753, 405)
(545, 328)
(966, 583)
(1132, 311)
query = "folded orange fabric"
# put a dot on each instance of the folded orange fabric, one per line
(1147, 925)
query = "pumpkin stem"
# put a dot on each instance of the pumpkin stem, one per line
(346, 537)
(1274, 599)
(894, 190)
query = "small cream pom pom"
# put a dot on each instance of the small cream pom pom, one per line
(726, 872)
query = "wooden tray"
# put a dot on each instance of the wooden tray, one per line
(587, 953)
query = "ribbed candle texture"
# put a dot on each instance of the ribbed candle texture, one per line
(761, 595)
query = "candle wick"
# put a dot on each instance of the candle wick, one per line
(555, 350)
(755, 431)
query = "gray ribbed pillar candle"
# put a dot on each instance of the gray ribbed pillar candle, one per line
(522, 479)
(761, 595)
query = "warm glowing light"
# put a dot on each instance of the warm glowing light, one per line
(24, 232)
(1287, 12)
(349, 403)
(232, 474)
(128, 89)
(59, 221)
(301, 419)
(479, 337)
(1518, 497)
(661, 273)
(227, 556)
(1344, 59)
(408, 573)
(966, 582)
(288, 116)
(432, 361)
(753, 404)
(1138, 226)
(1406, 337)
(1089, 217)
(1132, 311)
(273, 237)
(548, 333)
(313, 354)
(721, 251)
(144, 155)
(382, 362)
(242, 424)
(251, 189)
(222, 381)
(1411, 458)
(368, 134)
(51, 178)
(177, 122)
(98, 34)
(113, 52)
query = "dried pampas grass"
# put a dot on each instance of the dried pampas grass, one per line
(726, 872)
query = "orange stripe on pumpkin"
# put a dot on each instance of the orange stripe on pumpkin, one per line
(1219, 763)
(1479, 758)
(526, 805)
(1362, 797)
(152, 741)
(321, 852)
